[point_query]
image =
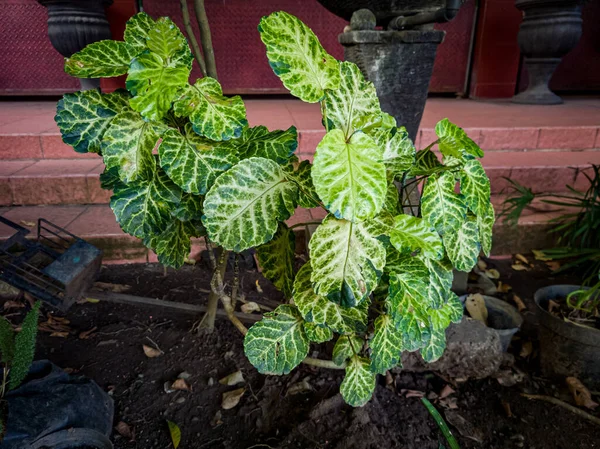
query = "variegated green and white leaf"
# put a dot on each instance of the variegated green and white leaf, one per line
(297, 57)
(260, 142)
(276, 258)
(137, 29)
(102, 59)
(193, 162)
(277, 343)
(354, 105)
(347, 261)
(349, 176)
(435, 345)
(450, 312)
(212, 115)
(189, 208)
(440, 279)
(441, 206)
(128, 144)
(317, 333)
(411, 234)
(453, 141)
(398, 151)
(109, 178)
(485, 223)
(307, 195)
(84, 116)
(173, 245)
(144, 207)
(346, 347)
(386, 345)
(391, 203)
(463, 245)
(426, 163)
(245, 204)
(475, 187)
(320, 310)
(359, 383)
(166, 40)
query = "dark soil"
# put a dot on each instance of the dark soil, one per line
(269, 415)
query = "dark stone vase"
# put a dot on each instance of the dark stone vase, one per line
(550, 29)
(73, 24)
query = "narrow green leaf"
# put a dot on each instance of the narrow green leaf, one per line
(485, 223)
(359, 383)
(128, 145)
(347, 261)
(193, 162)
(297, 57)
(346, 347)
(7, 341)
(463, 245)
(102, 59)
(475, 187)
(412, 234)
(175, 433)
(212, 115)
(453, 141)
(441, 206)
(277, 257)
(354, 105)
(24, 349)
(277, 343)
(441, 424)
(242, 208)
(386, 345)
(260, 142)
(317, 333)
(137, 29)
(84, 116)
(144, 207)
(349, 176)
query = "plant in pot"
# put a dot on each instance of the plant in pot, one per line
(569, 314)
(377, 280)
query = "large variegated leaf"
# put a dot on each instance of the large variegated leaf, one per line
(320, 310)
(297, 57)
(426, 163)
(260, 142)
(453, 141)
(189, 208)
(137, 29)
(276, 258)
(193, 162)
(243, 207)
(354, 105)
(440, 205)
(277, 343)
(463, 245)
(475, 187)
(317, 333)
(144, 207)
(386, 345)
(212, 115)
(485, 223)
(84, 116)
(349, 176)
(166, 40)
(359, 383)
(412, 234)
(434, 346)
(347, 261)
(307, 195)
(398, 152)
(101, 59)
(440, 319)
(391, 203)
(109, 178)
(173, 245)
(128, 144)
(346, 347)
(440, 279)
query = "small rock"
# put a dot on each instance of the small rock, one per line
(180, 400)
(210, 382)
(184, 375)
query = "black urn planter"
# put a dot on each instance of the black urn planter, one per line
(550, 29)
(73, 24)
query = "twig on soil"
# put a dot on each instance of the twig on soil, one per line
(563, 404)
(155, 344)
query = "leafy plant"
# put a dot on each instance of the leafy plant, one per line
(214, 176)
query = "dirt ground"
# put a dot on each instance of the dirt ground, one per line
(304, 409)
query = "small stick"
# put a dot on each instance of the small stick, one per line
(205, 38)
(190, 34)
(563, 404)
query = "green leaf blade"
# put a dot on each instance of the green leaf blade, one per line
(475, 187)
(453, 141)
(359, 383)
(386, 345)
(463, 245)
(260, 142)
(102, 59)
(277, 257)
(441, 206)
(411, 234)
(24, 348)
(317, 333)
(346, 347)
(485, 223)
(137, 29)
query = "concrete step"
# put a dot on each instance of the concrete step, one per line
(76, 181)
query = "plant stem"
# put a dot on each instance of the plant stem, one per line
(306, 223)
(205, 38)
(192, 38)
(322, 363)
(208, 321)
(4, 381)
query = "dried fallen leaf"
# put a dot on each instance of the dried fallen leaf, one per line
(216, 421)
(125, 431)
(522, 258)
(552, 306)
(389, 379)
(503, 288)
(87, 334)
(232, 379)
(519, 267)
(449, 403)
(519, 302)
(59, 334)
(13, 305)
(475, 305)
(481, 264)
(258, 287)
(175, 433)
(412, 393)
(446, 391)
(540, 255)
(507, 410)
(151, 352)
(581, 395)
(526, 349)
(28, 224)
(116, 288)
(250, 307)
(180, 384)
(299, 387)
(232, 398)
(492, 273)
(554, 265)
